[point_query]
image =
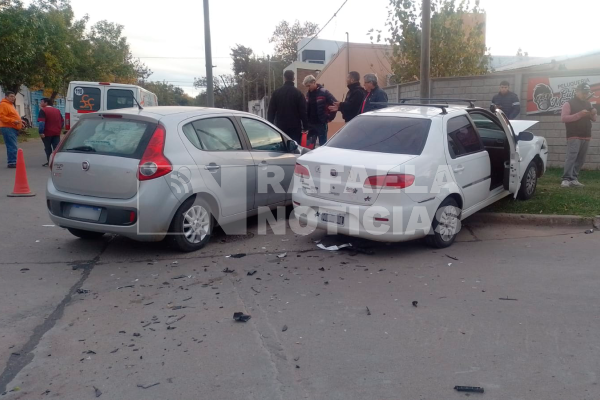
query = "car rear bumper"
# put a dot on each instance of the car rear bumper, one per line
(154, 206)
(406, 220)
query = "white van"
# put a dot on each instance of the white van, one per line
(89, 97)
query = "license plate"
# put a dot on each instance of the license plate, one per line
(85, 212)
(336, 219)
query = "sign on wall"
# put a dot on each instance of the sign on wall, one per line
(547, 95)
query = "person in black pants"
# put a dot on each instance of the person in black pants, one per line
(318, 100)
(350, 108)
(50, 123)
(287, 109)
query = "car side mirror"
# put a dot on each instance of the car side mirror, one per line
(292, 146)
(525, 136)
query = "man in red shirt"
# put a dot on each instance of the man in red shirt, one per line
(50, 123)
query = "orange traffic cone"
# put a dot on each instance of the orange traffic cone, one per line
(21, 185)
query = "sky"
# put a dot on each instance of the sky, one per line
(174, 29)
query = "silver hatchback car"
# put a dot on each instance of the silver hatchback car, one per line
(168, 172)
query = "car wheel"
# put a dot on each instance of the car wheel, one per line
(529, 182)
(87, 235)
(446, 225)
(192, 226)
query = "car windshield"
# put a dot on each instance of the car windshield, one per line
(116, 137)
(383, 134)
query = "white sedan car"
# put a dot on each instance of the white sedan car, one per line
(415, 171)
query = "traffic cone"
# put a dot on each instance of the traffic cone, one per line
(21, 185)
(303, 140)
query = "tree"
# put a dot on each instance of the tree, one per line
(225, 89)
(286, 38)
(457, 39)
(169, 95)
(19, 45)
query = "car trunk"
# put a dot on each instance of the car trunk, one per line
(341, 178)
(100, 157)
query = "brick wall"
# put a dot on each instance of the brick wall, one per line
(483, 88)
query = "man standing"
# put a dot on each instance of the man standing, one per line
(318, 100)
(10, 124)
(577, 115)
(374, 95)
(50, 122)
(287, 108)
(354, 98)
(507, 101)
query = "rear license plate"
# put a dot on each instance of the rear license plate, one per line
(85, 212)
(336, 219)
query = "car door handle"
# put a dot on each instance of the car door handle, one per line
(460, 168)
(212, 167)
(263, 162)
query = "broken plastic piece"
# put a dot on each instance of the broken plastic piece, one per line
(589, 231)
(241, 317)
(415, 303)
(250, 273)
(83, 291)
(149, 386)
(322, 269)
(285, 328)
(228, 271)
(471, 389)
(237, 255)
(507, 298)
(283, 255)
(97, 391)
(333, 248)
(368, 311)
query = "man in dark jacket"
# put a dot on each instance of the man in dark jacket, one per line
(287, 108)
(318, 100)
(507, 101)
(374, 95)
(578, 115)
(354, 98)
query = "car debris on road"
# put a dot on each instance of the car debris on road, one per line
(241, 317)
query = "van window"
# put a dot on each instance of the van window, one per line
(393, 135)
(119, 98)
(87, 98)
(114, 137)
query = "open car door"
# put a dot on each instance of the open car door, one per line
(514, 180)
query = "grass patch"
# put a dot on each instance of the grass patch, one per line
(32, 133)
(551, 199)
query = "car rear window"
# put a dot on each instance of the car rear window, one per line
(394, 135)
(87, 98)
(115, 137)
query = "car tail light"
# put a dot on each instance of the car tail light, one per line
(67, 121)
(131, 217)
(154, 164)
(301, 171)
(390, 181)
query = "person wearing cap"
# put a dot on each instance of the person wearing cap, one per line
(507, 101)
(577, 114)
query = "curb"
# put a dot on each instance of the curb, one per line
(534, 219)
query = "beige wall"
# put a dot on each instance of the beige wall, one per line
(364, 58)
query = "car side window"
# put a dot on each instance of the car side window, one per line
(462, 137)
(487, 127)
(262, 136)
(213, 134)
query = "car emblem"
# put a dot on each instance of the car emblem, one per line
(85, 165)
(318, 169)
(367, 198)
(334, 172)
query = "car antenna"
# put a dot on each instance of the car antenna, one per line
(138, 104)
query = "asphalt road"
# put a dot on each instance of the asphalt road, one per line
(511, 309)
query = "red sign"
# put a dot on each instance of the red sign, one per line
(547, 95)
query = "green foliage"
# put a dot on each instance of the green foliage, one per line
(457, 39)
(169, 95)
(43, 46)
(286, 37)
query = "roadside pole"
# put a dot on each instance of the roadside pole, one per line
(210, 95)
(425, 49)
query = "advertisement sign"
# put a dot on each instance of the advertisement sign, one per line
(547, 95)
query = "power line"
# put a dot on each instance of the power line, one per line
(180, 58)
(324, 26)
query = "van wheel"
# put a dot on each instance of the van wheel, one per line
(529, 182)
(86, 235)
(446, 225)
(192, 226)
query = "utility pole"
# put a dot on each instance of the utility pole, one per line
(347, 53)
(269, 75)
(425, 49)
(210, 95)
(243, 94)
(257, 90)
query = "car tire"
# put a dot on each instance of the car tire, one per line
(446, 225)
(192, 226)
(86, 235)
(529, 182)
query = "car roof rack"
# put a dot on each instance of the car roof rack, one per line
(441, 106)
(470, 101)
